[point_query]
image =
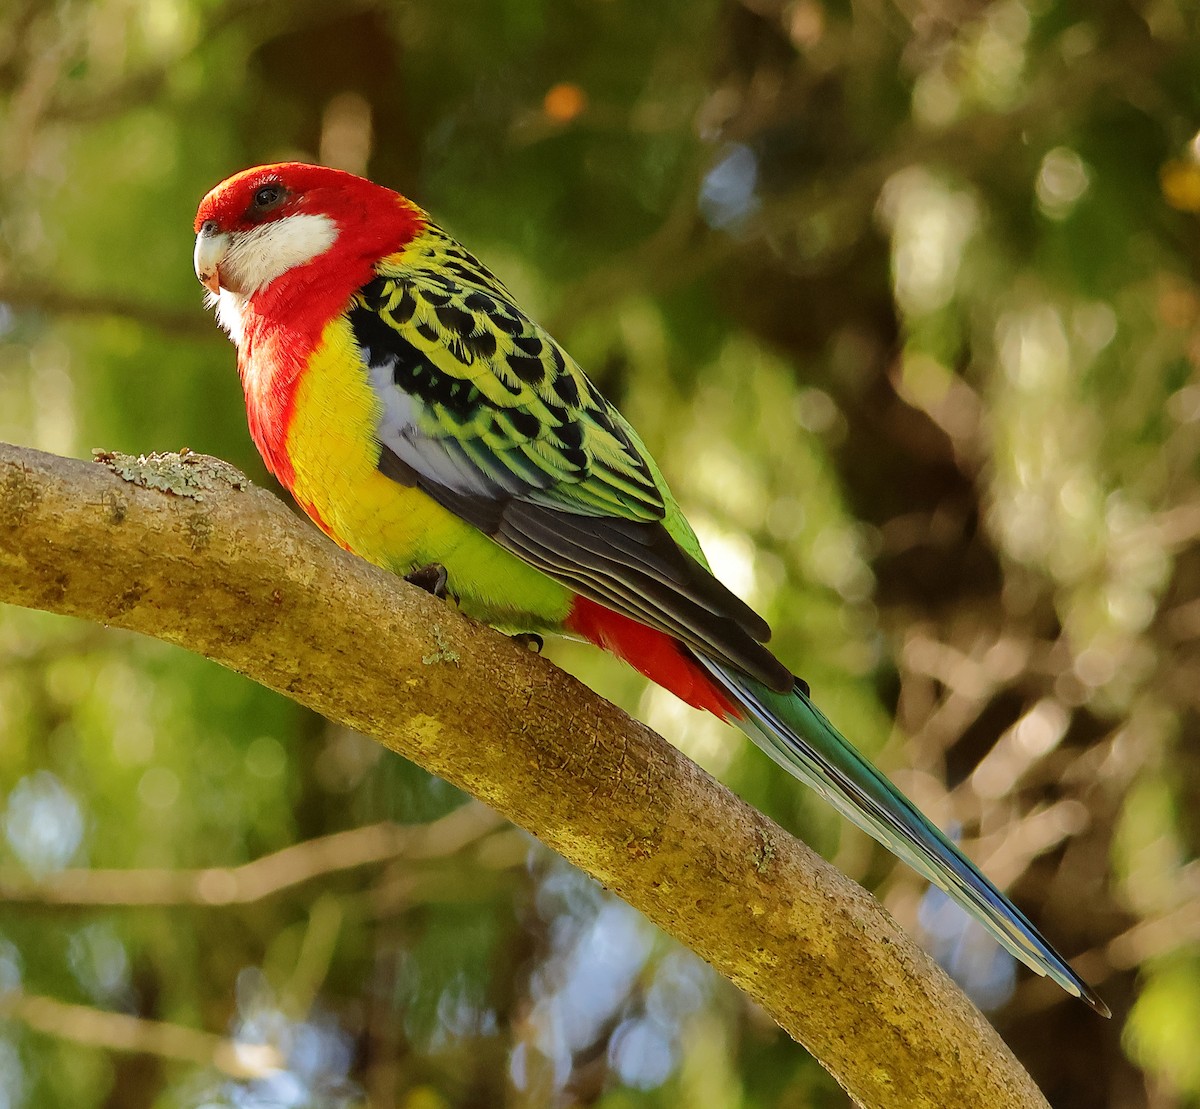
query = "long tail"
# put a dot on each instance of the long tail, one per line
(796, 734)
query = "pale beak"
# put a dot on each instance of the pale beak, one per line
(211, 247)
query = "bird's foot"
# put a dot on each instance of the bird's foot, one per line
(529, 640)
(431, 578)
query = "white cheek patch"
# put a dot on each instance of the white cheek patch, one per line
(257, 257)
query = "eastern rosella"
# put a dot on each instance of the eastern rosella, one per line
(423, 420)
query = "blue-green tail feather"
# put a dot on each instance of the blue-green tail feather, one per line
(796, 734)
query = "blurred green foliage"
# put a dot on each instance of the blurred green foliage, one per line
(905, 299)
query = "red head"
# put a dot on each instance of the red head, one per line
(271, 221)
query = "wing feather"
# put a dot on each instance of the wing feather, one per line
(483, 411)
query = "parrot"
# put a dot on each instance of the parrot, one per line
(428, 424)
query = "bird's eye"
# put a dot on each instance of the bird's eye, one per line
(267, 198)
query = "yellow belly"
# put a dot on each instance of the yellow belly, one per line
(331, 444)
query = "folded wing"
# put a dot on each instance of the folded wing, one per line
(484, 412)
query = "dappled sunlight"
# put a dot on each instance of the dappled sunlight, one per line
(298, 1062)
(14, 1081)
(1034, 736)
(43, 823)
(1061, 182)
(731, 556)
(100, 963)
(1051, 505)
(905, 304)
(346, 133)
(605, 978)
(930, 225)
(986, 972)
(700, 736)
(728, 193)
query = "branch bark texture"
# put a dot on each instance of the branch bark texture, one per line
(182, 548)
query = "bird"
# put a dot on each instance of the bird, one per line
(428, 424)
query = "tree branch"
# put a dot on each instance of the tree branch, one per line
(184, 550)
(83, 1024)
(67, 302)
(264, 877)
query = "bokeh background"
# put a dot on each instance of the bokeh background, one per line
(905, 297)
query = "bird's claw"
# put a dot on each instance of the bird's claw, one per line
(432, 578)
(529, 640)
